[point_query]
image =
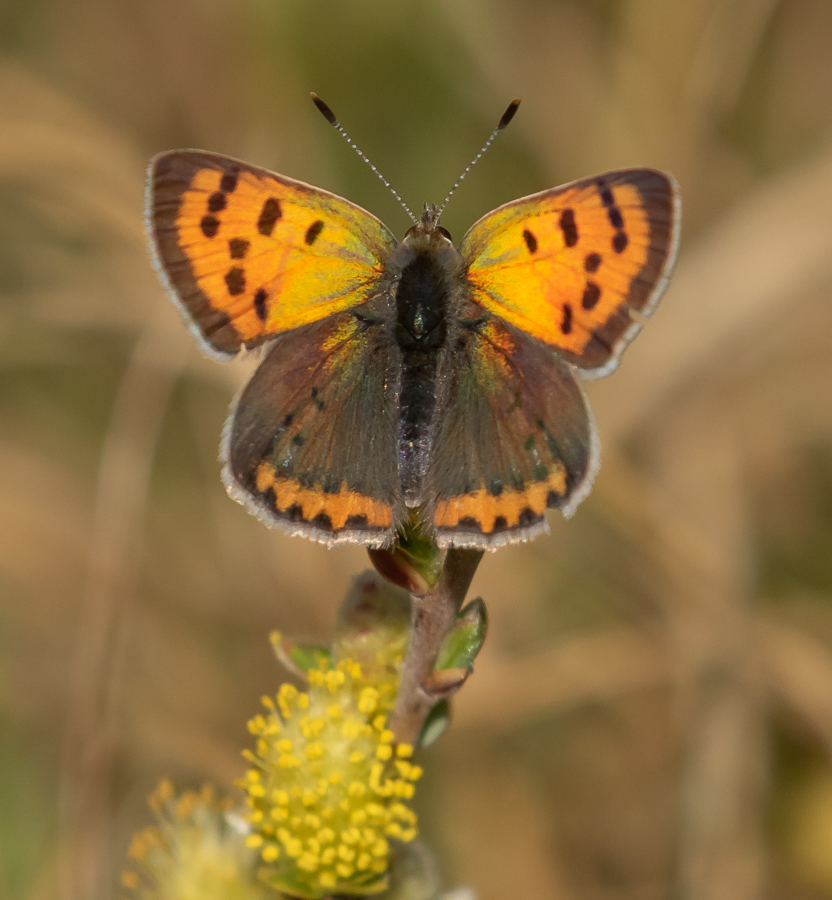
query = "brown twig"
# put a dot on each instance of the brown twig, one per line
(432, 616)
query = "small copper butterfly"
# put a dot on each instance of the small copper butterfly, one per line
(410, 377)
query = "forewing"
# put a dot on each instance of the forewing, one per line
(571, 265)
(311, 444)
(248, 254)
(515, 437)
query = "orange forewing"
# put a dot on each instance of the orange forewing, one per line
(250, 254)
(568, 266)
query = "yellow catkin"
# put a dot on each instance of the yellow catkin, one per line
(318, 829)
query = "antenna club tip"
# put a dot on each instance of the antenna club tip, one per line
(324, 110)
(509, 114)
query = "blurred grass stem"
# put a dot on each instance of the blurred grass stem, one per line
(114, 562)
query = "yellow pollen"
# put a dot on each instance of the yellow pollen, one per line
(358, 817)
(328, 856)
(344, 869)
(403, 789)
(368, 700)
(357, 789)
(380, 848)
(350, 729)
(270, 853)
(334, 680)
(254, 841)
(404, 750)
(363, 862)
(357, 756)
(386, 737)
(346, 853)
(312, 821)
(308, 862)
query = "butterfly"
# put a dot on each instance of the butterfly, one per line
(410, 380)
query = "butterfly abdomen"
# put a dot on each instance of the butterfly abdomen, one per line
(422, 298)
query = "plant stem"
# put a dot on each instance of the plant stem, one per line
(432, 616)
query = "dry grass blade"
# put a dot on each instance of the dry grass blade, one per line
(102, 633)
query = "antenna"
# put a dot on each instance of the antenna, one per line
(507, 116)
(329, 115)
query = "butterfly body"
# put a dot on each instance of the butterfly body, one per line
(413, 377)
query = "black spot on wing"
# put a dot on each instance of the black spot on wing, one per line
(216, 202)
(619, 240)
(530, 239)
(235, 280)
(566, 322)
(269, 215)
(260, 308)
(313, 231)
(569, 227)
(322, 521)
(210, 225)
(591, 295)
(228, 182)
(238, 247)
(591, 262)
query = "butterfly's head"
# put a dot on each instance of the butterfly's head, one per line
(428, 227)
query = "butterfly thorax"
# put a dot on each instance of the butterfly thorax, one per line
(424, 290)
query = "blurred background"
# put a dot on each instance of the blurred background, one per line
(651, 716)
